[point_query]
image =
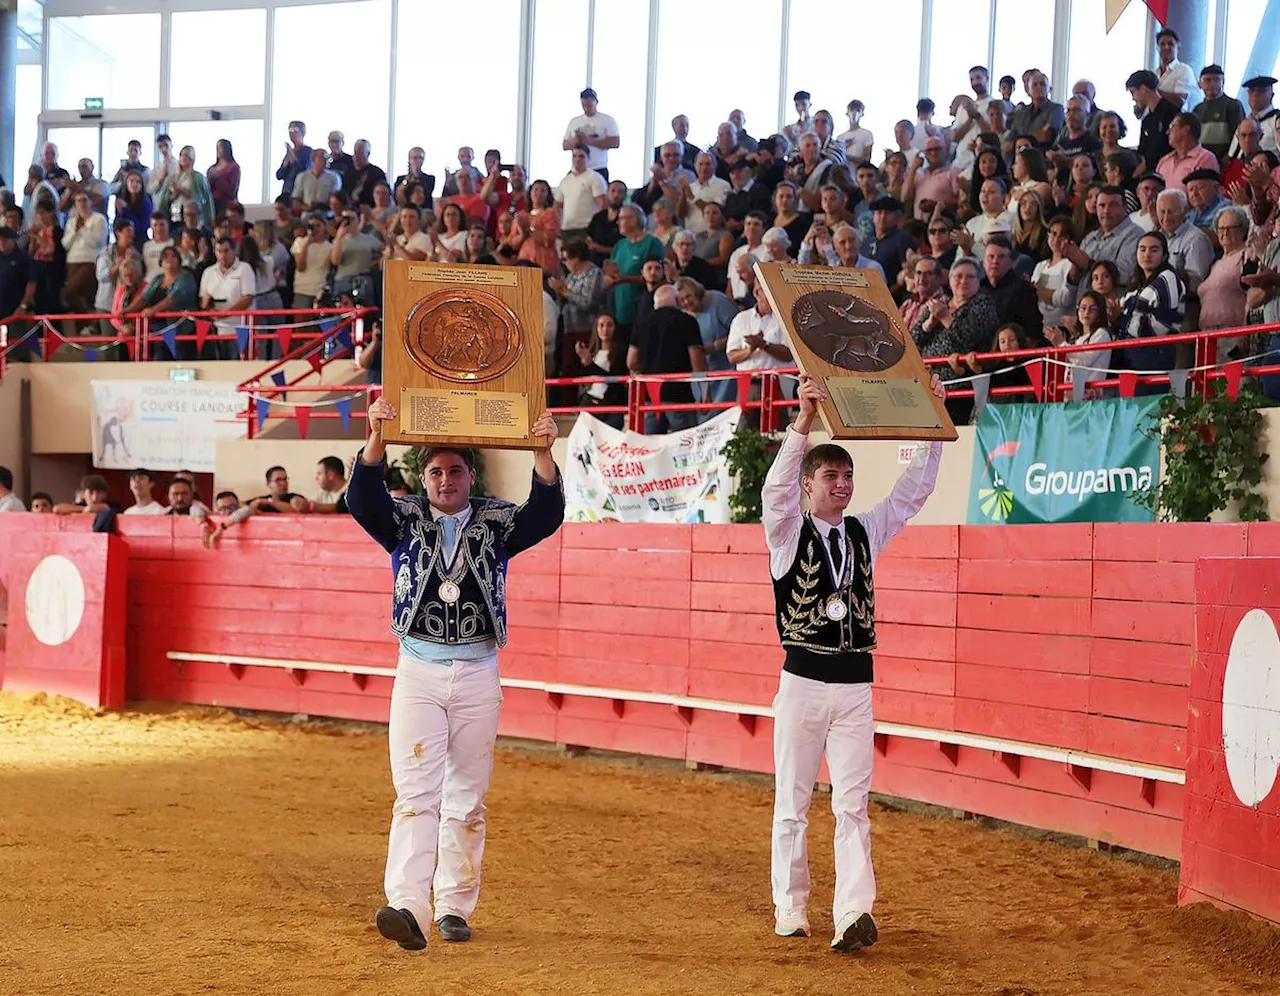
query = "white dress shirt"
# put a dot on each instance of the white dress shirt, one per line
(751, 322)
(714, 189)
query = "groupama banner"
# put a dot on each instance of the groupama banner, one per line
(1071, 462)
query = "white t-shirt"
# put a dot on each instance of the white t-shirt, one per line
(978, 226)
(577, 195)
(858, 144)
(716, 190)
(310, 282)
(150, 508)
(750, 322)
(1143, 221)
(597, 126)
(417, 242)
(1055, 277)
(12, 503)
(151, 252)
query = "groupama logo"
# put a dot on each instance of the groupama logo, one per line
(996, 501)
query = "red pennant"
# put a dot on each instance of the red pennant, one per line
(316, 361)
(1035, 374)
(1232, 371)
(202, 333)
(51, 343)
(744, 388)
(129, 345)
(303, 415)
(286, 337)
(653, 389)
(1128, 384)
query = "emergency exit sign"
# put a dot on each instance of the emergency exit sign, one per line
(93, 103)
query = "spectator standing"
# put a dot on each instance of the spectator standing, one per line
(140, 484)
(714, 313)
(49, 258)
(165, 167)
(361, 177)
(224, 178)
(1261, 91)
(172, 289)
(739, 120)
(808, 171)
(1222, 293)
(1219, 114)
(152, 248)
(933, 185)
(687, 151)
(604, 355)
(668, 341)
(593, 131)
(668, 178)
(133, 204)
(17, 286)
(1041, 119)
(132, 163)
(1054, 278)
(654, 275)
(602, 230)
(311, 264)
(354, 255)
(108, 271)
(9, 502)
(1186, 153)
(297, 158)
(858, 142)
(337, 160)
(313, 188)
(579, 196)
(1154, 306)
(83, 239)
(1157, 115)
(803, 124)
(98, 191)
(229, 285)
(54, 174)
(544, 229)
(37, 189)
(415, 174)
(185, 186)
(581, 294)
(1076, 138)
(726, 151)
(1176, 80)
(705, 188)
(757, 341)
(829, 147)
(623, 270)
(466, 155)
(475, 204)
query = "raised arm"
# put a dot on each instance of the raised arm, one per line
(543, 513)
(780, 495)
(368, 500)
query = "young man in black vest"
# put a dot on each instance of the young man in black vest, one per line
(824, 598)
(449, 552)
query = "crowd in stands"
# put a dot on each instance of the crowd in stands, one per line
(1031, 219)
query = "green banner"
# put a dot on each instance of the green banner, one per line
(1072, 462)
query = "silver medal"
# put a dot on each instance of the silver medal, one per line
(449, 592)
(836, 609)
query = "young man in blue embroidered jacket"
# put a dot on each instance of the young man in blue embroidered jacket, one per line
(449, 552)
(821, 562)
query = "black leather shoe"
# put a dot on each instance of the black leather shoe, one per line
(400, 926)
(453, 928)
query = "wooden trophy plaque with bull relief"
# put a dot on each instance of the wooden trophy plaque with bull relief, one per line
(846, 332)
(462, 354)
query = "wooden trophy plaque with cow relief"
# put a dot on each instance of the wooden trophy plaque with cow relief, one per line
(846, 332)
(462, 354)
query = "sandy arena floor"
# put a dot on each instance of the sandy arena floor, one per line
(195, 851)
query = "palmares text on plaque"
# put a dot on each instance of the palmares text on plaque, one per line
(448, 413)
(877, 401)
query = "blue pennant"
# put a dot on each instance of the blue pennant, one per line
(263, 408)
(91, 356)
(242, 339)
(343, 340)
(328, 325)
(344, 410)
(170, 337)
(278, 377)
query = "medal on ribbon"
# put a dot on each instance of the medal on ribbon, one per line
(449, 592)
(835, 608)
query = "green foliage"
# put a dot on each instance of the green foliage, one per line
(749, 455)
(412, 464)
(1213, 457)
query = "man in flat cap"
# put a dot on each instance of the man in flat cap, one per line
(1204, 194)
(1219, 114)
(1261, 91)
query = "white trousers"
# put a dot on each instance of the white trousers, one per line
(810, 717)
(444, 720)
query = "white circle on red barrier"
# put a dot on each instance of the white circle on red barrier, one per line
(1251, 708)
(55, 600)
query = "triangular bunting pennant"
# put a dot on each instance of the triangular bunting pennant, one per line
(327, 326)
(51, 343)
(316, 360)
(343, 339)
(242, 340)
(744, 388)
(129, 346)
(1232, 371)
(1178, 383)
(170, 338)
(286, 339)
(1035, 374)
(278, 377)
(263, 408)
(981, 391)
(1078, 383)
(202, 333)
(90, 355)
(653, 390)
(1128, 384)
(303, 414)
(344, 412)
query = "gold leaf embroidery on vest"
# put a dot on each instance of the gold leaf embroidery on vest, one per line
(863, 610)
(803, 617)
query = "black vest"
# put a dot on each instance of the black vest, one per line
(465, 620)
(819, 647)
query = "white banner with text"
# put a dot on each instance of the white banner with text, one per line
(162, 424)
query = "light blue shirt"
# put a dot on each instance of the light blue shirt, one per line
(442, 653)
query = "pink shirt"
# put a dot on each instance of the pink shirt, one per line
(1222, 299)
(942, 187)
(1174, 168)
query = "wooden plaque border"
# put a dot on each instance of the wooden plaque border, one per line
(785, 283)
(519, 288)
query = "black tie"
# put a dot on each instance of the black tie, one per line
(833, 539)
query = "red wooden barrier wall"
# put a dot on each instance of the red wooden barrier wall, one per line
(1077, 637)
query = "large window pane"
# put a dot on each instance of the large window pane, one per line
(699, 78)
(246, 145)
(74, 143)
(1024, 40)
(112, 56)
(26, 123)
(314, 79)
(618, 73)
(960, 34)
(115, 146)
(1243, 19)
(1106, 60)
(450, 93)
(885, 77)
(559, 74)
(194, 35)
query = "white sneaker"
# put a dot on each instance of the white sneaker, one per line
(791, 923)
(854, 932)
